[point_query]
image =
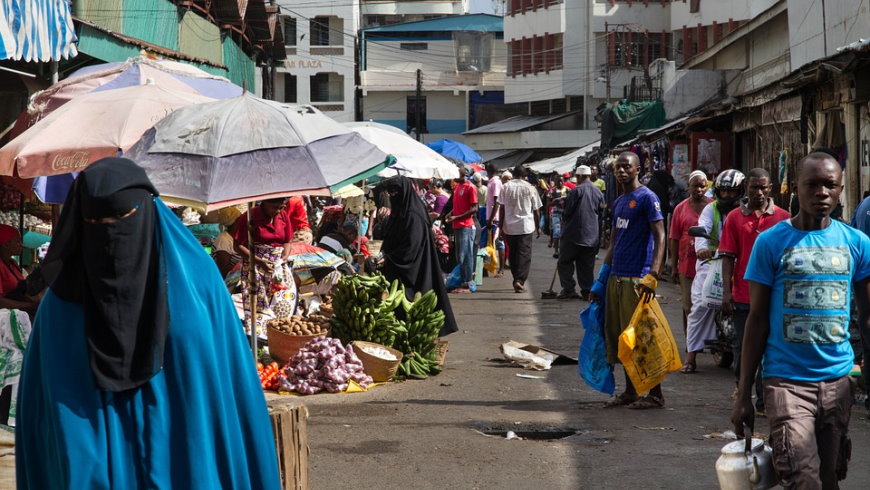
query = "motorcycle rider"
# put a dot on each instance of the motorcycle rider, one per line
(701, 326)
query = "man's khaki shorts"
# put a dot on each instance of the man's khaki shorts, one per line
(809, 430)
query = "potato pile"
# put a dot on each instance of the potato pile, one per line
(300, 325)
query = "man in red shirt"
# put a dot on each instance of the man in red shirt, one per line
(462, 218)
(742, 226)
(681, 246)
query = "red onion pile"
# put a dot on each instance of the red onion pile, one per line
(323, 364)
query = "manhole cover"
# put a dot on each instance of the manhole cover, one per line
(528, 433)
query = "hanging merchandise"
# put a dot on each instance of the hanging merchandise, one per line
(10, 197)
(783, 172)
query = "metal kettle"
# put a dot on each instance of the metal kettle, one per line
(745, 465)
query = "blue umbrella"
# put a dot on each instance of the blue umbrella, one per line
(456, 150)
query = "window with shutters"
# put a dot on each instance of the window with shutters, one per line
(327, 87)
(289, 24)
(319, 35)
(290, 89)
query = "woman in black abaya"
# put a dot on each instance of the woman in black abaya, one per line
(409, 249)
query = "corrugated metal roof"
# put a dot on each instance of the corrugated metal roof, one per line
(199, 38)
(512, 160)
(468, 22)
(487, 155)
(40, 30)
(564, 163)
(112, 46)
(148, 21)
(517, 123)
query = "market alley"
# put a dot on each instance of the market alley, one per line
(427, 434)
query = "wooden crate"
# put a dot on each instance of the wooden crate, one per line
(290, 428)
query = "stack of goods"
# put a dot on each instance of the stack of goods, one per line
(31, 222)
(423, 321)
(323, 364)
(364, 309)
(10, 197)
(299, 325)
(269, 375)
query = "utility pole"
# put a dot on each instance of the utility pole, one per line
(418, 99)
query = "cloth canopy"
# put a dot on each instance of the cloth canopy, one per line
(624, 119)
(36, 30)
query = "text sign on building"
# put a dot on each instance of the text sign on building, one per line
(303, 64)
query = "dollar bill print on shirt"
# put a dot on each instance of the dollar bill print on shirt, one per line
(815, 295)
(811, 329)
(817, 260)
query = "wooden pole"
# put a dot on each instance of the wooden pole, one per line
(252, 285)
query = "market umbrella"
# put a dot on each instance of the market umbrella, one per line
(171, 75)
(88, 128)
(243, 149)
(349, 190)
(413, 159)
(305, 256)
(455, 149)
(315, 268)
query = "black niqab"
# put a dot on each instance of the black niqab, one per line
(115, 270)
(409, 248)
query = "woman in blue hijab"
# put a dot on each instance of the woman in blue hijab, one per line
(137, 373)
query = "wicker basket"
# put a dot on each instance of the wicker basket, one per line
(374, 247)
(283, 346)
(441, 351)
(381, 370)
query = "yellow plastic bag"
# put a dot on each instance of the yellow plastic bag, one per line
(491, 264)
(647, 348)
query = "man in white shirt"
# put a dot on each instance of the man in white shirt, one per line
(519, 205)
(490, 223)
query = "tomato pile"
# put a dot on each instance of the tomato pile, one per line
(269, 378)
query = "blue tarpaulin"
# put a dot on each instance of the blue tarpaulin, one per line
(456, 150)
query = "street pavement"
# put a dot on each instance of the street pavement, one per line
(430, 433)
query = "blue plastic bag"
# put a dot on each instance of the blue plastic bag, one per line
(454, 280)
(592, 359)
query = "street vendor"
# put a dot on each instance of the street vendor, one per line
(225, 255)
(409, 248)
(118, 387)
(298, 213)
(341, 243)
(272, 232)
(12, 294)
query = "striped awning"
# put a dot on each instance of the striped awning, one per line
(36, 30)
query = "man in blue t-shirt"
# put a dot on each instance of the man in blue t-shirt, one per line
(631, 268)
(801, 273)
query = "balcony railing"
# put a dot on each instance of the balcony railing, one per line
(326, 51)
(329, 106)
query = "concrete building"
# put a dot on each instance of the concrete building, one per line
(461, 62)
(568, 55)
(800, 67)
(376, 13)
(320, 64)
